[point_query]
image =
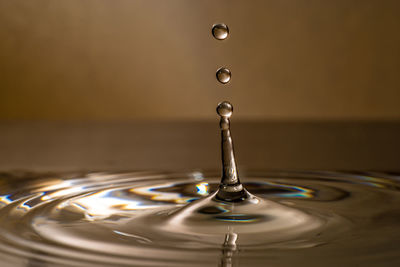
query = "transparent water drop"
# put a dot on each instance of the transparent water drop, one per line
(224, 75)
(220, 31)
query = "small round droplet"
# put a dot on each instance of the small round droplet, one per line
(225, 109)
(223, 75)
(220, 31)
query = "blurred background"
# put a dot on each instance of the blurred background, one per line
(130, 84)
(124, 59)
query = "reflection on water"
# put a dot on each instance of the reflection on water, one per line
(228, 249)
(159, 219)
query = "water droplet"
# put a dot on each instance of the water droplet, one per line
(225, 109)
(223, 75)
(220, 31)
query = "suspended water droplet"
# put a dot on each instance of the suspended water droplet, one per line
(220, 31)
(223, 75)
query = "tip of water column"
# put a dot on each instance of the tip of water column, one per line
(225, 109)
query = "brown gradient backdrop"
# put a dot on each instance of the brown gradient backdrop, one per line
(135, 59)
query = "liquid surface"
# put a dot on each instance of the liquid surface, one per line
(166, 219)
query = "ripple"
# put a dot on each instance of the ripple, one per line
(174, 219)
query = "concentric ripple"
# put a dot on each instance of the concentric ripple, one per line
(173, 219)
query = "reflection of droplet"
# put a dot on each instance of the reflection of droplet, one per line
(223, 75)
(228, 249)
(220, 31)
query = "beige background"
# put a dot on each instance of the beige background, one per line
(135, 59)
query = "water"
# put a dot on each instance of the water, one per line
(275, 218)
(163, 219)
(220, 31)
(223, 75)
